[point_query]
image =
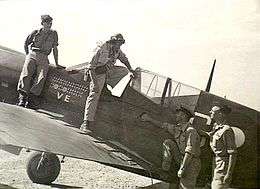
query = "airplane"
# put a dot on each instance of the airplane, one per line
(119, 138)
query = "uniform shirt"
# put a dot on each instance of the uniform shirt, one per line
(186, 137)
(107, 56)
(222, 140)
(42, 41)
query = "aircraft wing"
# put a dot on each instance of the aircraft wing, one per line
(11, 58)
(27, 128)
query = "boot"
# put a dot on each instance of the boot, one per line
(34, 101)
(23, 100)
(85, 127)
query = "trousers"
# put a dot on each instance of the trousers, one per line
(93, 98)
(112, 77)
(170, 152)
(34, 73)
(220, 166)
(188, 181)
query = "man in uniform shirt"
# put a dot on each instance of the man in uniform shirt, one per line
(222, 142)
(97, 72)
(188, 142)
(38, 46)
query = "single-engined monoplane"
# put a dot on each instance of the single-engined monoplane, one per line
(119, 138)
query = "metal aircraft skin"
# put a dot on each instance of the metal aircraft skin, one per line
(119, 138)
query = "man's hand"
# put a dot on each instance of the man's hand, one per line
(133, 74)
(180, 173)
(227, 178)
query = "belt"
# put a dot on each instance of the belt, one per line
(40, 51)
(98, 71)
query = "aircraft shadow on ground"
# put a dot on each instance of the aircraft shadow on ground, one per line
(4, 186)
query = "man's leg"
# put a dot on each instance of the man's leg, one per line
(170, 152)
(42, 67)
(220, 169)
(188, 181)
(24, 83)
(92, 102)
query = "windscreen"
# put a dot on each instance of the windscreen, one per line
(179, 94)
(149, 84)
(172, 93)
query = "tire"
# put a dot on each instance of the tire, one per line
(47, 172)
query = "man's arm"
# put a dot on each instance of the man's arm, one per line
(185, 162)
(164, 125)
(192, 146)
(55, 55)
(229, 138)
(146, 117)
(231, 163)
(26, 45)
(55, 50)
(122, 57)
(127, 64)
(28, 41)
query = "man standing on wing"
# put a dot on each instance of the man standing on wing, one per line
(97, 73)
(38, 45)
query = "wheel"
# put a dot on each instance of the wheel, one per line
(43, 168)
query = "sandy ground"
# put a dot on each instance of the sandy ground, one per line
(74, 174)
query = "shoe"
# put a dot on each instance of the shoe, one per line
(34, 101)
(23, 100)
(21, 103)
(85, 127)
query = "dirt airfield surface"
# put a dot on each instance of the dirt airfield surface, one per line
(74, 174)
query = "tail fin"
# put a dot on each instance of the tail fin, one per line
(210, 77)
